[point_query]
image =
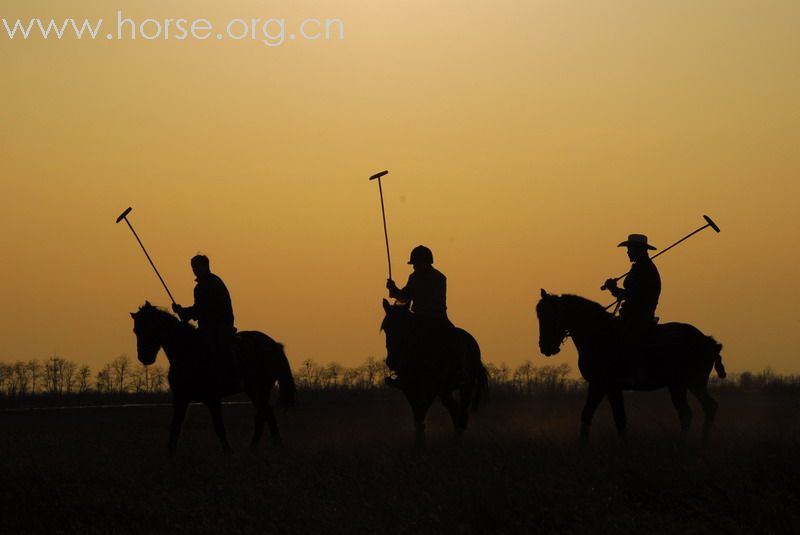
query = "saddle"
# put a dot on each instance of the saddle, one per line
(222, 356)
(430, 355)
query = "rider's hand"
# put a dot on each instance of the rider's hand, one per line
(611, 284)
(390, 285)
(176, 308)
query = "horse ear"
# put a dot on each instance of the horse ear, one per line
(147, 304)
(386, 305)
(543, 293)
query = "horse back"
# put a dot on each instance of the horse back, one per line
(254, 348)
(687, 336)
(468, 344)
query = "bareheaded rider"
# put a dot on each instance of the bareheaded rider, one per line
(640, 292)
(426, 289)
(213, 312)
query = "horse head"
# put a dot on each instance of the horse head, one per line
(397, 327)
(148, 327)
(552, 327)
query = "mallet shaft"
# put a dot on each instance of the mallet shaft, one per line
(383, 213)
(709, 223)
(124, 217)
(385, 231)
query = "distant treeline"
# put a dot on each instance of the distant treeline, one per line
(124, 377)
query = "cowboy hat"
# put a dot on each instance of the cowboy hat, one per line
(637, 240)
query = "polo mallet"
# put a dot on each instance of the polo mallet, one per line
(709, 223)
(383, 212)
(124, 215)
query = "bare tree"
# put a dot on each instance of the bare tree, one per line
(36, 373)
(148, 379)
(21, 379)
(158, 379)
(332, 374)
(351, 377)
(121, 369)
(104, 383)
(523, 376)
(68, 369)
(309, 374)
(83, 377)
(6, 372)
(59, 375)
(552, 378)
(374, 371)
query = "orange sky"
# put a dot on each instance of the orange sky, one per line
(524, 139)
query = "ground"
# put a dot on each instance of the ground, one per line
(349, 466)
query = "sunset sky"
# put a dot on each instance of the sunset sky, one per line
(524, 140)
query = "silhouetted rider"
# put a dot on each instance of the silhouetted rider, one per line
(640, 292)
(212, 310)
(426, 289)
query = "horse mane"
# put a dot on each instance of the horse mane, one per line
(588, 305)
(165, 316)
(394, 308)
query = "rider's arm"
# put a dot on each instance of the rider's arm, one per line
(404, 294)
(184, 313)
(617, 292)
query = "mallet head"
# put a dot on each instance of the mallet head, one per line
(711, 223)
(378, 175)
(123, 214)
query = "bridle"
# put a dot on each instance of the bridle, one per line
(560, 320)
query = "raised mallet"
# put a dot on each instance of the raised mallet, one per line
(383, 212)
(709, 223)
(124, 216)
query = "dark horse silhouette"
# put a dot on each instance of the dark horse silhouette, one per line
(261, 362)
(680, 358)
(423, 381)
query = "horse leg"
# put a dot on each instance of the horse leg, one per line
(678, 394)
(454, 408)
(258, 421)
(615, 399)
(179, 408)
(215, 408)
(419, 406)
(464, 402)
(272, 422)
(709, 405)
(593, 399)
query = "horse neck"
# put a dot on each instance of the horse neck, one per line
(400, 330)
(173, 342)
(584, 319)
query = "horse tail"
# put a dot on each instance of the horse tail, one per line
(285, 380)
(720, 369)
(479, 376)
(481, 385)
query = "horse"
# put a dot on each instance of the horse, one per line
(679, 357)
(192, 376)
(424, 380)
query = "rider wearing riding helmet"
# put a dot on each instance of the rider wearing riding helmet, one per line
(426, 290)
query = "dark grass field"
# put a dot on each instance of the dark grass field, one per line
(349, 466)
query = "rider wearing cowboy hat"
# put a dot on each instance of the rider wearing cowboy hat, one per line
(640, 292)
